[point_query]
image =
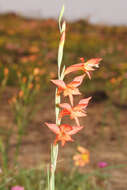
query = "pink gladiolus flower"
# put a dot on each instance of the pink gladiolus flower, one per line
(63, 132)
(102, 164)
(69, 89)
(84, 66)
(74, 112)
(17, 188)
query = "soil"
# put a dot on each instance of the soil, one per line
(104, 135)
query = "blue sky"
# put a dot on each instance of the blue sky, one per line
(103, 11)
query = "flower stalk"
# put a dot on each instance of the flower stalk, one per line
(65, 131)
(54, 147)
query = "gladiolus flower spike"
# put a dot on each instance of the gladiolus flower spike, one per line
(74, 112)
(87, 67)
(69, 89)
(63, 132)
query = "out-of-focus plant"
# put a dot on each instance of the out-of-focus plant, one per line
(4, 146)
(116, 85)
(4, 80)
(23, 103)
(117, 91)
(24, 107)
(35, 178)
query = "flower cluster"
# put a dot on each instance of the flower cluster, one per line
(64, 131)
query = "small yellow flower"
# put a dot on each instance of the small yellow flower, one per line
(83, 158)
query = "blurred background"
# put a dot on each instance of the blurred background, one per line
(29, 40)
(109, 12)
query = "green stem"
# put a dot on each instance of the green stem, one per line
(19, 140)
(54, 148)
(54, 155)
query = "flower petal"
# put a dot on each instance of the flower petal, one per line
(94, 62)
(82, 59)
(53, 127)
(77, 81)
(82, 150)
(65, 128)
(71, 99)
(63, 113)
(65, 106)
(84, 102)
(75, 130)
(77, 121)
(73, 68)
(59, 83)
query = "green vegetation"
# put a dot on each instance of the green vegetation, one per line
(28, 60)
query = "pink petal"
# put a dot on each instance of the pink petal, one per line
(82, 150)
(73, 68)
(85, 101)
(76, 92)
(77, 81)
(53, 127)
(102, 164)
(17, 188)
(65, 106)
(75, 130)
(59, 83)
(94, 62)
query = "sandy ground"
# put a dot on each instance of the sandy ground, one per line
(105, 138)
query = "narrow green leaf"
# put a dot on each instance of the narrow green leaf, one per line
(60, 18)
(60, 56)
(62, 73)
(60, 50)
(63, 27)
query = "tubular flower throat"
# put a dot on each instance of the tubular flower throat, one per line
(69, 89)
(74, 112)
(63, 132)
(87, 67)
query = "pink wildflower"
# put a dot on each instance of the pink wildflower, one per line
(17, 188)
